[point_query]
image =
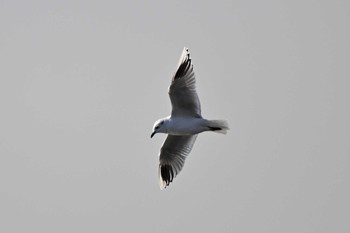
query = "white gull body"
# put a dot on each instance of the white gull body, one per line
(184, 123)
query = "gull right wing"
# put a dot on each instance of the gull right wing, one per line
(172, 157)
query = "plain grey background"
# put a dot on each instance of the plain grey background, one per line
(82, 82)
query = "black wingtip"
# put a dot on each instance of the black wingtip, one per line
(185, 64)
(166, 175)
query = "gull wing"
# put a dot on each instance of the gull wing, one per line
(172, 157)
(182, 90)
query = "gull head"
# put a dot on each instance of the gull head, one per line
(159, 127)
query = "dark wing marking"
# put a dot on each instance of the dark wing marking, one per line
(182, 90)
(172, 157)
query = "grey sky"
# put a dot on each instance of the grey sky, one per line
(81, 84)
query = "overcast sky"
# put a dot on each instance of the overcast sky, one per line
(82, 82)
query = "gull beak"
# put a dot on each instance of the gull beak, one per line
(153, 133)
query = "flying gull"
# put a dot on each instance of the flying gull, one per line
(184, 124)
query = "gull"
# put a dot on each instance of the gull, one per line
(184, 124)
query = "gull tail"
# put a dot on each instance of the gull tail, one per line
(218, 126)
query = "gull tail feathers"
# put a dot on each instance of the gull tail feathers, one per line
(218, 126)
